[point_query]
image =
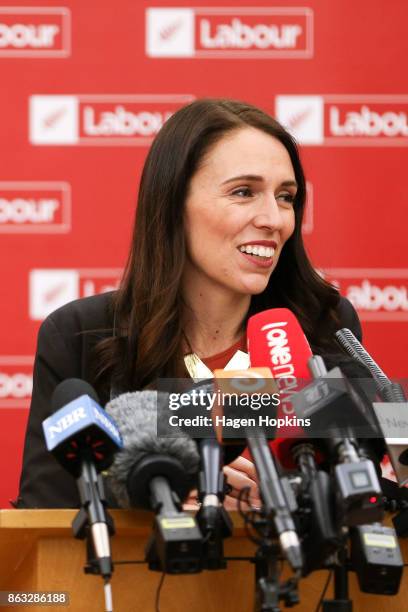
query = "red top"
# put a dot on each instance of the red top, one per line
(220, 360)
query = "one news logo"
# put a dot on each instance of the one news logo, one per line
(99, 119)
(229, 32)
(379, 294)
(16, 380)
(36, 207)
(51, 288)
(35, 31)
(345, 120)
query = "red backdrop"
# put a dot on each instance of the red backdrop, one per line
(86, 85)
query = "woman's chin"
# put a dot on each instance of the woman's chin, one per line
(255, 288)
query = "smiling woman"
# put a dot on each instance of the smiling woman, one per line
(238, 216)
(222, 180)
(217, 238)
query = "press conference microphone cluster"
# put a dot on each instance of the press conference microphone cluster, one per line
(276, 341)
(391, 411)
(381, 574)
(338, 416)
(335, 410)
(277, 337)
(329, 489)
(156, 473)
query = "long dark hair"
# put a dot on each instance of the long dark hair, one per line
(148, 305)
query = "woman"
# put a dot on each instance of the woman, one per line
(217, 238)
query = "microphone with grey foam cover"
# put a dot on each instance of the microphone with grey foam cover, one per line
(148, 461)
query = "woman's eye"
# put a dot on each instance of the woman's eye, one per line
(289, 198)
(244, 192)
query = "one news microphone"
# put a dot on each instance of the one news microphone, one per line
(84, 439)
(157, 473)
(392, 412)
(277, 341)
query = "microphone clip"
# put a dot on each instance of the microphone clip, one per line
(269, 589)
(82, 528)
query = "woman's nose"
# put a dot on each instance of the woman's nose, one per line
(269, 215)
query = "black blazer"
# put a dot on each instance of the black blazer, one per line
(65, 341)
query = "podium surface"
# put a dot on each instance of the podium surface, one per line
(39, 553)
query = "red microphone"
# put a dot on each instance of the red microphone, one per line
(277, 341)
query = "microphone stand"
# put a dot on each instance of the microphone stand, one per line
(341, 601)
(275, 526)
(93, 507)
(268, 590)
(212, 518)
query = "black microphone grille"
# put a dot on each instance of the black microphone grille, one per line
(70, 389)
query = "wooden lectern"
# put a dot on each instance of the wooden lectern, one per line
(39, 553)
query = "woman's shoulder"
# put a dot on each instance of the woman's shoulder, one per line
(348, 317)
(94, 313)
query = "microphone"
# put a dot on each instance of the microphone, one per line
(275, 500)
(321, 537)
(84, 439)
(276, 341)
(379, 571)
(211, 477)
(278, 500)
(328, 399)
(391, 412)
(155, 473)
(214, 521)
(337, 413)
(388, 391)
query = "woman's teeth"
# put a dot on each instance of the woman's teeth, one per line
(261, 251)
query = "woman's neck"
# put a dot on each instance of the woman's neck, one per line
(212, 323)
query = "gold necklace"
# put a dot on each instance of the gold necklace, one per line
(198, 370)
